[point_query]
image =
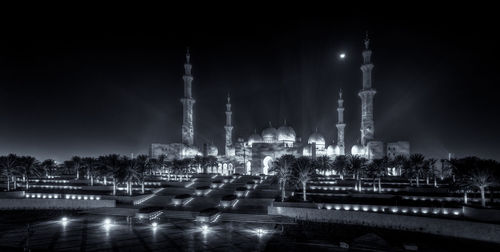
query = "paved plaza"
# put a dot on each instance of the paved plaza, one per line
(175, 235)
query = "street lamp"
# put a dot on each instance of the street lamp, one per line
(342, 55)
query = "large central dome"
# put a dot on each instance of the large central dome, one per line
(270, 134)
(254, 138)
(286, 134)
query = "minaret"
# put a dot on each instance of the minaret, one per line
(228, 127)
(187, 104)
(340, 125)
(366, 94)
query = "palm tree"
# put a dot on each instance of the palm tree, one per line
(357, 166)
(8, 165)
(376, 169)
(417, 165)
(431, 168)
(90, 165)
(182, 166)
(48, 166)
(340, 165)
(177, 166)
(143, 164)
(77, 163)
(324, 164)
(446, 169)
(198, 162)
(128, 172)
(283, 169)
(399, 163)
(187, 165)
(68, 167)
(482, 177)
(211, 161)
(112, 166)
(28, 167)
(304, 171)
(156, 165)
(101, 170)
(475, 172)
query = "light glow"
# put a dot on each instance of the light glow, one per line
(107, 223)
(260, 232)
(204, 228)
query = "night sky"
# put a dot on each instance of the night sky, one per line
(93, 88)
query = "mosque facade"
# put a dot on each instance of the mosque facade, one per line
(256, 154)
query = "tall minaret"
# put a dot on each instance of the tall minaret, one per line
(228, 127)
(340, 125)
(187, 104)
(366, 94)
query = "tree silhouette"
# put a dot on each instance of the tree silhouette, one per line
(28, 167)
(472, 171)
(340, 165)
(357, 166)
(8, 166)
(304, 171)
(283, 169)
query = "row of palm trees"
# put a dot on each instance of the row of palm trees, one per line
(466, 174)
(120, 169)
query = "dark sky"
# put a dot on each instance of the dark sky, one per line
(113, 86)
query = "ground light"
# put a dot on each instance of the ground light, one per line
(204, 228)
(260, 232)
(154, 224)
(107, 223)
(64, 221)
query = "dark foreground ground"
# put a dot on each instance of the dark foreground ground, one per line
(82, 233)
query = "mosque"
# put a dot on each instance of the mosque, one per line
(256, 154)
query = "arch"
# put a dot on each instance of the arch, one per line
(224, 169)
(267, 164)
(248, 168)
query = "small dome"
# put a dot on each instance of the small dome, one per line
(254, 138)
(316, 138)
(270, 134)
(337, 150)
(330, 151)
(212, 150)
(286, 133)
(358, 150)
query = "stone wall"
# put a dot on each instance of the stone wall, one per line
(12, 195)
(482, 214)
(446, 227)
(54, 204)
